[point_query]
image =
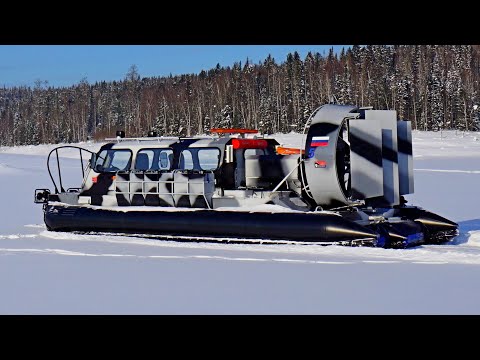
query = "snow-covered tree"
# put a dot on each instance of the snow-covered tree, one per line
(435, 93)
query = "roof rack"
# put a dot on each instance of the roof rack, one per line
(234, 131)
(139, 139)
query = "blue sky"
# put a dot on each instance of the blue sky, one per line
(65, 65)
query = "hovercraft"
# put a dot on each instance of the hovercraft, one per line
(346, 186)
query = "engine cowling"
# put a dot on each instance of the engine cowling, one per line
(354, 154)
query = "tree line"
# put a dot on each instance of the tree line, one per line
(436, 87)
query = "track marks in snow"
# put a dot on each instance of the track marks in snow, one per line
(39, 226)
(450, 171)
(214, 258)
(45, 251)
(465, 249)
(8, 169)
(452, 253)
(166, 257)
(18, 236)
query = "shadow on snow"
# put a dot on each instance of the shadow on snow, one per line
(465, 228)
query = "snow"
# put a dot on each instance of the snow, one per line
(43, 150)
(44, 272)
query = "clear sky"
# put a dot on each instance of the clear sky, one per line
(65, 65)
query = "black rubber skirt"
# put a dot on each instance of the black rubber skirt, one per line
(297, 227)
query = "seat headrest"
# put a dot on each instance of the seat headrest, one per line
(143, 162)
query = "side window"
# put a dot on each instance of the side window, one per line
(208, 158)
(154, 159)
(163, 159)
(121, 159)
(113, 160)
(249, 152)
(144, 160)
(186, 160)
(102, 159)
(199, 159)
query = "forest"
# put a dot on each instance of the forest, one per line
(434, 86)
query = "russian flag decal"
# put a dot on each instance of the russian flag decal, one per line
(319, 141)
(320, 164)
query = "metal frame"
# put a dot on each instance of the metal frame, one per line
(142, 139)
(158, 182)
(62, 190)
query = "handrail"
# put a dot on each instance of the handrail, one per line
(139, 139)
(233, 131)
(58, 164)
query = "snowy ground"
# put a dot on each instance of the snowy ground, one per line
(43, 272)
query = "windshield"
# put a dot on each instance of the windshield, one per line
(113, 160)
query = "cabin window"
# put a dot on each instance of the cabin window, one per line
(186, 160)
(199, 159)
(208, 158)
(113, 160)
(154, 159)
(249, 152)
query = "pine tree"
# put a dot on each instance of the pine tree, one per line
(265, 121)
(132, 74)
(436, 87)
(435, 92)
